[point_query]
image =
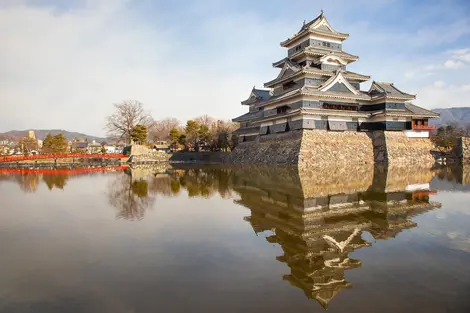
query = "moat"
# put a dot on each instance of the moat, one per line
(187, 238)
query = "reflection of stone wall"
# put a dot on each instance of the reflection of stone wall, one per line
(321, 148)
(395, 177)
(306, 183)
(143, 172)
(332, 180)
(336, 179)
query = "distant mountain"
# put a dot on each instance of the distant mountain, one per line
(42, 133)
(452, 116)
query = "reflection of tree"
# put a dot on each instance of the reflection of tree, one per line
(28, 182)
(198, 182)
(140, 188)
(203, 182)
(131, 198)
(55, 180)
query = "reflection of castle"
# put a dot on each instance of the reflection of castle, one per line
(317, 231)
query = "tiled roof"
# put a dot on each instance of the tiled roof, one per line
(312, 70)
(307, 25)
(262, 94)
(321, 52)
(388, 90)
(247, 116)
(414, 109)
(311, 27)
(334, 94)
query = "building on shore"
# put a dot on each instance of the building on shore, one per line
(315, 91)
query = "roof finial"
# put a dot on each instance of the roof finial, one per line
(321, 11)
(304, 22)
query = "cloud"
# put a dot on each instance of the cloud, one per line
(451, 64)
(439, 84)
(465, 87)
(441, 95)
(65, 69)
(431, 67)
(461, 54)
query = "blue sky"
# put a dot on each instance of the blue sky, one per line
(63, 63)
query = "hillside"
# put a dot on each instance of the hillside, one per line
(452, 116)
(42, 133)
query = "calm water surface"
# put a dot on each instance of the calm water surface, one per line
(235, 240)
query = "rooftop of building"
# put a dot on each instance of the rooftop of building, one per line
(319, 26)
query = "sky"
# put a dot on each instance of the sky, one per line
(63, 63)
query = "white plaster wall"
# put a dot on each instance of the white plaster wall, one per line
(416, 133)
(340, 119)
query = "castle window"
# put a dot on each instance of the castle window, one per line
(282, 109)
(288, 85)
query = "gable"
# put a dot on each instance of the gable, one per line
(323, 28)
(340, 87)
(375, 89)
(322, 25)
(287, 70)
(339, 83)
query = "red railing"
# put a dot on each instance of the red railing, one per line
(61, 156)
(73, 171)
(423, 127)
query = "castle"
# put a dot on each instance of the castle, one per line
(315, 92)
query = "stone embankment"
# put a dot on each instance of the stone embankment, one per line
(396, 148)
(319, 149)
(143, 155)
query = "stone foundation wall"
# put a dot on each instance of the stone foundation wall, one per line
(462, 149)
(154, 157)
(199, 157)
(140, 150)
(403, 150)
(310, 149)
(321, 148)
(270, 149)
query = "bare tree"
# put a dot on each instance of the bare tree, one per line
(160, 130)
(128, 114)
(130, 197)
(205, 120)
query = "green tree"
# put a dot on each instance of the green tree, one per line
(60, 144)
(47, 144)
(174, 135)
(139, 134)
(182, 139)
(192, 134)
(446, 136)
(55, 144)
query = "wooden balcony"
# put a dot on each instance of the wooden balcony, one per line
(422, 127)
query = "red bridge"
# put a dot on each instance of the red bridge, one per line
(74, 171)
(61, 156)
